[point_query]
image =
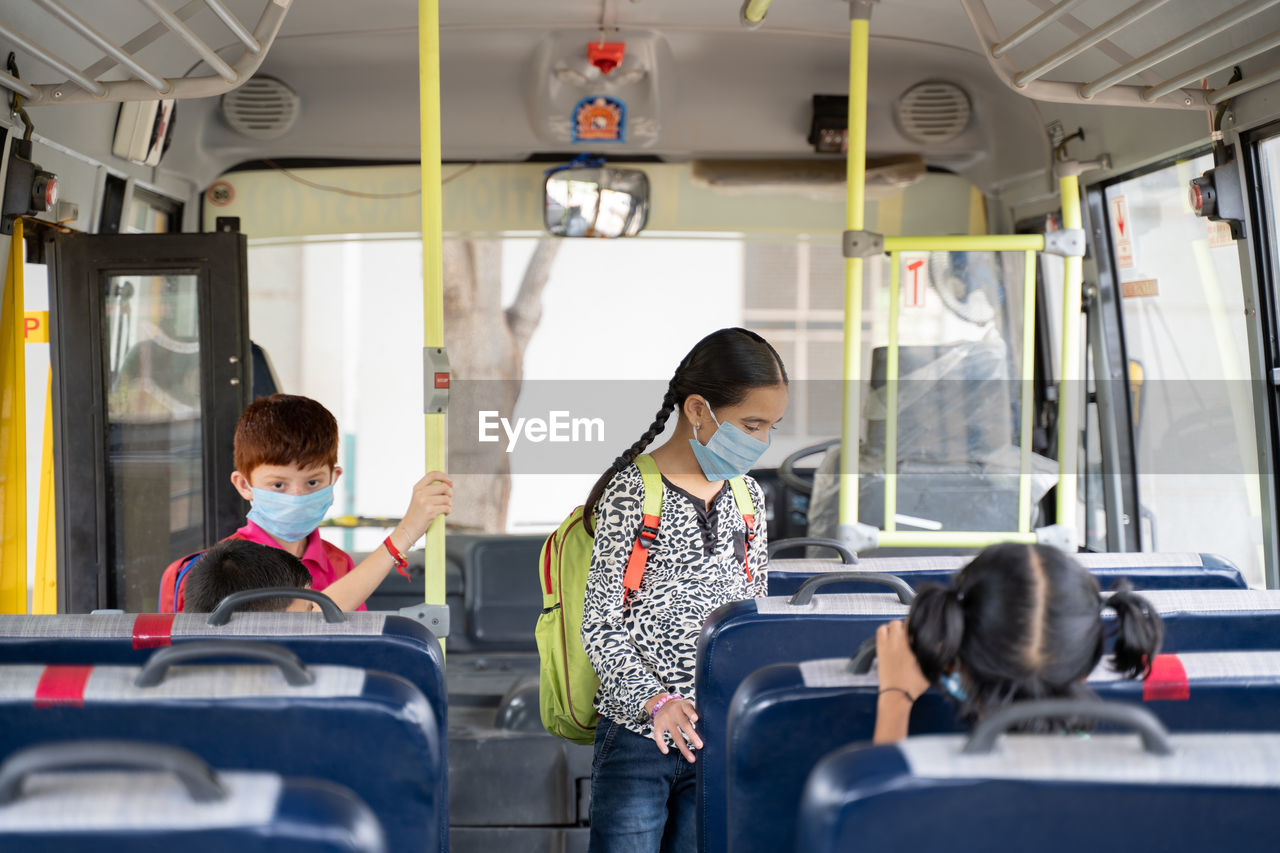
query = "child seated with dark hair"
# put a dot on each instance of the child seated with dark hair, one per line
(1020, 622)
(235, 565)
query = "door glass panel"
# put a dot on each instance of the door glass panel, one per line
(155, 474)
(1182, 303)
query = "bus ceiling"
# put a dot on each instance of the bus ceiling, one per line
(693, 83)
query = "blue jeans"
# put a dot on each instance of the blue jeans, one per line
(641, 800)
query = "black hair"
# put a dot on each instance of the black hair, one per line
(721, 368)
(234, 565)
(1024, 622)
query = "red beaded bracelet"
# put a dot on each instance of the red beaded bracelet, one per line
(402, 564)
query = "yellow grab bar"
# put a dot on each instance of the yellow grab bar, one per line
(432, 270)
(967, 243)
(1070, 380)
(855, 175)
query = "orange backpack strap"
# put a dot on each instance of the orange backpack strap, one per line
(746, 506)
(649, 524)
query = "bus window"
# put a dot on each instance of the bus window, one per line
(1182, 307)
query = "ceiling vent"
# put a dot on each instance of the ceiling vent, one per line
(263, 108)
(935, 112)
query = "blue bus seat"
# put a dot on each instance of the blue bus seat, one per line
(148, 810)
(833, 706)
(1145, 571)
(378, 641)
(1048, 793)
(743, 636)
(372, 732)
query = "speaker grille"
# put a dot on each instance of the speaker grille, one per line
(263, 108)
(933, 112)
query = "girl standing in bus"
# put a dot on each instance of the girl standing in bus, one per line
(1020, 622)
(728, 393)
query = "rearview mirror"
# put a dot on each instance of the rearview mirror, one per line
(597, 202)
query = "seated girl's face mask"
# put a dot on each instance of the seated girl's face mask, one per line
(729, 453)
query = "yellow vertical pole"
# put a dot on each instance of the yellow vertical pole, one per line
(432, 270)
(891, 399)
(855, 177)
(44, 598)
(1028, 376)
(1070, 381)
(13, 435)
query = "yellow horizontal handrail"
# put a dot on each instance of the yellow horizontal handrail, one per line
(967, 243)
(950, 538)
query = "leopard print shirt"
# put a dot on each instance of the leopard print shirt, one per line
(649, 644)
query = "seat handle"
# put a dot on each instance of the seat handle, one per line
(157, 666)
(860, 663)
(1155, 738)
(198, 778)
(221, 614)
(846, 553)
(805, 593)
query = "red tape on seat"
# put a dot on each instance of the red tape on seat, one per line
(62, 686)
(1167, 681)
(153, 630)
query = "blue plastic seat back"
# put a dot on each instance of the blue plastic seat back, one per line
(1144, 571)
(377, 641)
(744, 636)
(1052, 794)
(147, 812)
(833, 707)
(371, 732)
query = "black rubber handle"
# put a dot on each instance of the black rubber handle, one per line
(221, 614)
(787, 470)
(805, 593)
(154, 670)
(200, 781)
(846, 554)
(860, 663)
(1155, 738)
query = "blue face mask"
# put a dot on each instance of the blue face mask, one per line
(290, 518)
(951, 684)
(730, 452)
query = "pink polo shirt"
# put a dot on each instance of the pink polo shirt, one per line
(325, 561)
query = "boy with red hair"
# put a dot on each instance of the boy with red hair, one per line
(286, 458)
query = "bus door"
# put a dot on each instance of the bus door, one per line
(150, 349)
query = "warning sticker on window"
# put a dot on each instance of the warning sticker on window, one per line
(1121, 238)
(1219, 235)
(1142, 287)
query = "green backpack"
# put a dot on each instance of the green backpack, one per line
(567, 682)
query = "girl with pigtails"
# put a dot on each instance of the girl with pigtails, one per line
(1020, 622)
(726, 394)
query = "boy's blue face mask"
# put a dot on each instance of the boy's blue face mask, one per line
(290, 518)
(730, 452)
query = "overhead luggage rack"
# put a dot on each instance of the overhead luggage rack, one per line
(1133, 82)
(71, 84)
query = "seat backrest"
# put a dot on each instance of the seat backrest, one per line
(378, 641)
(142, 809)
(372, 732)
(1196, 691)
(1049, 792)
(743, 636)
(500, 591)
(1144, 571)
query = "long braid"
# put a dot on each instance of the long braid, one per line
(669, 401)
